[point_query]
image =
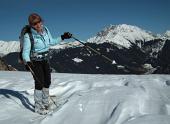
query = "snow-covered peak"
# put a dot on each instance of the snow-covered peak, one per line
(121, 35)
(8, 47)
(64, 45)
(167, 34)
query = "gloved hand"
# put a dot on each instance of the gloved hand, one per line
(29, 65)
(66, 35)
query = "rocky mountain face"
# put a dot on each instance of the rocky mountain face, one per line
(5, 67)
(131, 49)
(163, 59)
(118, 49)
(132, 60)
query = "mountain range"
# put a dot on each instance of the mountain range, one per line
(128, 46)
(118, 34)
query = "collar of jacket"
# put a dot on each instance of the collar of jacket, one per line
(35, 32)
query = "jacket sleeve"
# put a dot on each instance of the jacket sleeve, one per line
(53, 41)
(26, 48)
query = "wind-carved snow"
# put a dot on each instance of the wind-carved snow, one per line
(121, 35)
(92, 99)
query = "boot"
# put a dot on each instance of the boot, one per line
(39, 108)
(45, 98)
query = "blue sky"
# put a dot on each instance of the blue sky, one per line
(84, 18)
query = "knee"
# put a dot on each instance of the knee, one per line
(47, 84)
(38, 86)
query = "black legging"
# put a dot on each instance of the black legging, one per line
(42, 72)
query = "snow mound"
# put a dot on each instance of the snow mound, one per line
(92, 99)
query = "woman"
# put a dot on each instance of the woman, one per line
(36, 58)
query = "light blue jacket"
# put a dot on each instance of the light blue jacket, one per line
(42, 42)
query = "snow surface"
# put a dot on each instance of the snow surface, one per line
(92, 99)
(77, 60)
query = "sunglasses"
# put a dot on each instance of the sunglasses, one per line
(35, 23)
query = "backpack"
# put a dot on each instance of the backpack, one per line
(25, 29)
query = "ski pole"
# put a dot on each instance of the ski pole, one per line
(97, 52)
(32, 72)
